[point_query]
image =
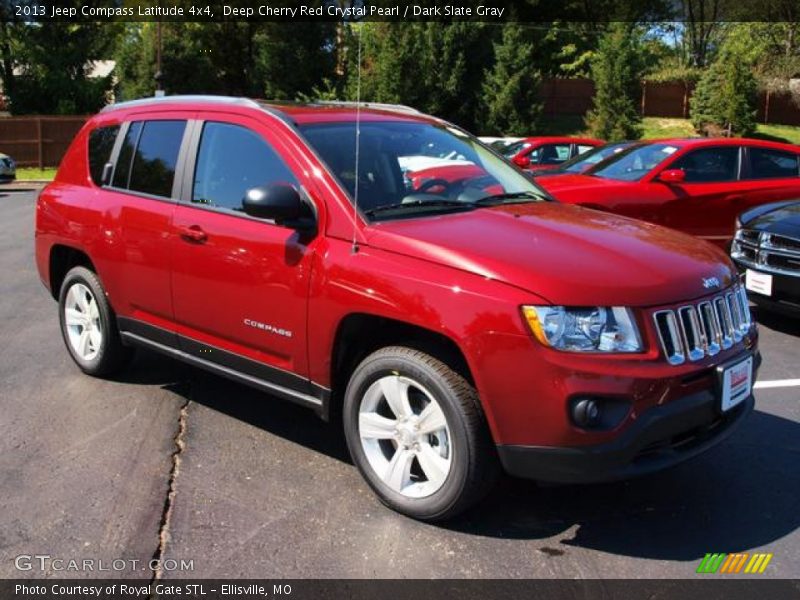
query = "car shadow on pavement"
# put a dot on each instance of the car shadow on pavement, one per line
(273, 415)
(740, 495)
(776, 322)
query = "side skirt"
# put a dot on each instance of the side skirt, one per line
(309, 394)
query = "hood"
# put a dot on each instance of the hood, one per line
(571, 186)
(782, 219)
(565, 254)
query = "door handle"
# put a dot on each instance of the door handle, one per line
(192, 233)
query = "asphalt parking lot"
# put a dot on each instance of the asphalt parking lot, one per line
(172, 462)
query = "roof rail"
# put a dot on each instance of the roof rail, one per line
(401, 108)
(182, 98)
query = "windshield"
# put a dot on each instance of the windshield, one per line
(414, 169)
(515, 148)
(582, 162)
(634, 163)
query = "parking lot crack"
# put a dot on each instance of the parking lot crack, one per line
(172, 490)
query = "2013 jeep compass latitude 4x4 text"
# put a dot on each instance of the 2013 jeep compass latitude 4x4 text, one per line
(457, 332)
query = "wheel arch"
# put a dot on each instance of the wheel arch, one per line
(359, 334)
(62, 259)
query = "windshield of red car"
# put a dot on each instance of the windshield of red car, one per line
(584, 161)
(634, 163)
(515, 148)
(410, 167)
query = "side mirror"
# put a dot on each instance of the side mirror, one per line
(280, 202)
(523, 162)
(672, 176)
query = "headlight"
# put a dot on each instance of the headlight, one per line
(586, 329)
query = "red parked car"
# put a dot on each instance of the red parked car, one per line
(456, 332)
(542, 153)
(696, 185)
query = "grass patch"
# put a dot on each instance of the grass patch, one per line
(34, 174)
(660, 127)
(778, 133)
(653, 127)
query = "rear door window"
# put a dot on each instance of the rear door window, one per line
(766, 163)
(710, 165)
(156, 156)
(553, 154)
(101, 143)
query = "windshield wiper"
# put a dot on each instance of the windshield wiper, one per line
(416, 204)
(509, 198)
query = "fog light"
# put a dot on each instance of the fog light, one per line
(585, 412)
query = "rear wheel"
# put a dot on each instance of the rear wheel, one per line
(88, 324)
(416, 432)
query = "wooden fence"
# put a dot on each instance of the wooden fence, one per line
(40, 141)
(668, 99)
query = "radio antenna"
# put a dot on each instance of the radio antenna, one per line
(354, 247)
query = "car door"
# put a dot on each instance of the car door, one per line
(706, 202)
(137, 203)
(769, 175)
(239, 284)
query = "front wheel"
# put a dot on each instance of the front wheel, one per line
(416, 432)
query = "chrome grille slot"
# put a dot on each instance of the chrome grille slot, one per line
(667, 326)
(710, 321)
(736, 317)
(692, 336)
(726, 324)
(693, 332)
(744, 310)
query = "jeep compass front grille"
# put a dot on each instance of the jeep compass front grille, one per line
(695, 331)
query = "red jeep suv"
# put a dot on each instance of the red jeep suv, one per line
(457, 332)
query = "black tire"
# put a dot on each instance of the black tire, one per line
(111, 355)
(474, 468)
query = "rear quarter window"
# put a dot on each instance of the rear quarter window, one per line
(101, 142)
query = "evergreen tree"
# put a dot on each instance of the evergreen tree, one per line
(511, 88)
(617, 74)
(54, 62)
(239, 58)
(433, 67)
(724, 100)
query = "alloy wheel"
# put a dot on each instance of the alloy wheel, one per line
(405, 436)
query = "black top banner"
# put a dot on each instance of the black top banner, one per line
(498, 11)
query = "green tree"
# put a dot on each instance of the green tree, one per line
(265, 60)
(437, 68)
(617, 73)
(50, 68)
(511, 87)
(724, 101)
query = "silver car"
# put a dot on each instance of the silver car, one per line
(8, 168)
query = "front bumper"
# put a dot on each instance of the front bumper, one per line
(785, 296)
(661, 437)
